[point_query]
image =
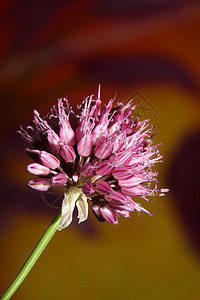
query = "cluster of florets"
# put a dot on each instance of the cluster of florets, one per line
(101, 151)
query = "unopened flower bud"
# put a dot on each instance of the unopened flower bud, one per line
(67, 152)
(84, 146)
(38, 169)
(103, 150)
(97, 213)
(40, 184)
(104, 168)
(33, 154)
(88, 188)
(120, 158)
(108, 214)
(117, 145)
(66, 133)
(59, 179)
(139, 190)
(120, 173)
(99, 134)
(103, 187)
(131, 181)
(87, 169)
(49, 160)
(53, 141)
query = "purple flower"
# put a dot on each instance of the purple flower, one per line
(100, 154)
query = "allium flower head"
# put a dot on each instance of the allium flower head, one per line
(100, 154)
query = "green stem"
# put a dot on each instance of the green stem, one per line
(37, 251)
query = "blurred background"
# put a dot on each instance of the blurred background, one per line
(144, 49)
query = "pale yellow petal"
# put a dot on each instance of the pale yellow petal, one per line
(68, 205)
(82, 206)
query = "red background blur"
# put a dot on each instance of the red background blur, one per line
(142, 48)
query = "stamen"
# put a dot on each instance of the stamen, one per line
(80, 163)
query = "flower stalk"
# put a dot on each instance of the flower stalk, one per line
(37, 251)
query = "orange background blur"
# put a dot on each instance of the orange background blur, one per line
(50, 49)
